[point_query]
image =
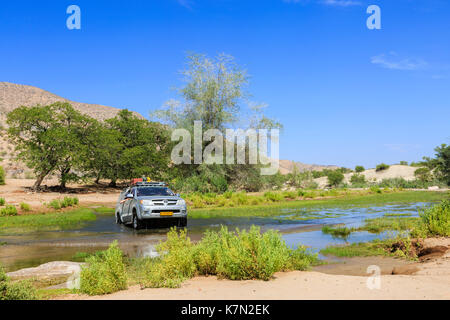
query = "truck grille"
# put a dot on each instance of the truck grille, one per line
(164, 202)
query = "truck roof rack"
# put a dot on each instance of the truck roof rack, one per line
(150, 184)
(144, 181)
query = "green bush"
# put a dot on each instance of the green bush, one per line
(8, 211)
(175, 265)
(2, 201)
(55, 204)
(357, 179)
(381, 167)
(25, 206)
(403, 163)
(273, 196)
(335, 178)
(2, 176)
(237, 256)
(434, 221)
(290, 195)
(66, 202)
(423, 174)
(105, 273)
(359, 169)
(19, 290)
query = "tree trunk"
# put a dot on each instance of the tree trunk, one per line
(64, 173)
(37, 183)
(113, 183)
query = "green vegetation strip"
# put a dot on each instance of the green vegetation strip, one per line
(50, 221)
(237, 256)
(433, 222)
(349, 200)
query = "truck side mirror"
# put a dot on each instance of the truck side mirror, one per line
(129, 196)
(178, 195)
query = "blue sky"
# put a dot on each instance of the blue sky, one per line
(345, 94)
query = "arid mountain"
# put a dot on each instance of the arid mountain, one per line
(13, 96)
(287, 166)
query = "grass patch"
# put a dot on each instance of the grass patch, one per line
(25, 207)
(363, 249)
(50, 221)
(397, 215)
(48, 294)
(237, 256)
(15, 290)
(360, 198)
(104, 210)
(434, 221)
(8, 211)
(400, 247)
(379, 225)
(338, 232)
(64, 203)
(2, 201)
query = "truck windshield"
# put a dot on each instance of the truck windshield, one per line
(154, 191)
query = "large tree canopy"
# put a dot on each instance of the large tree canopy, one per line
(214, 92)
(49, 138)
(57, 139)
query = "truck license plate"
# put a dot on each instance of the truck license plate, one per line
(166, 213)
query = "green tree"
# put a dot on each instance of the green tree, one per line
(359, 169)
(214, 92)
(423, 174)
(48, 138)
(335, 178)
(381, 167)
(140, 148)
(443, 162)
(358, 179)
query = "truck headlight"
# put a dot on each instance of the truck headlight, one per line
(181, 202)
(147, 202)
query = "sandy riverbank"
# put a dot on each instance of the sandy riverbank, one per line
(426, 279)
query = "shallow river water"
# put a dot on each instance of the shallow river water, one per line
(298, 226)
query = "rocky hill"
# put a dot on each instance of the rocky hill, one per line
(287, 166)
(13, 96)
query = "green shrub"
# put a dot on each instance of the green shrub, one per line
(273, 196)
(175, 265)
(381, 167)
(423, 174)
(66, 202)
(19, 290)
(8, 211)
(357, 179)
(403, 163)
(2, 176)
(359, 169)
(335, 178)
(375, 189)
(434, 221)
(25, 206)
(289, 195)
(104, 273)
(237, 256)
(2, 201)
(337, 232)
(55, 204)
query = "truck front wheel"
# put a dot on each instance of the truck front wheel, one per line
(137, 224)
